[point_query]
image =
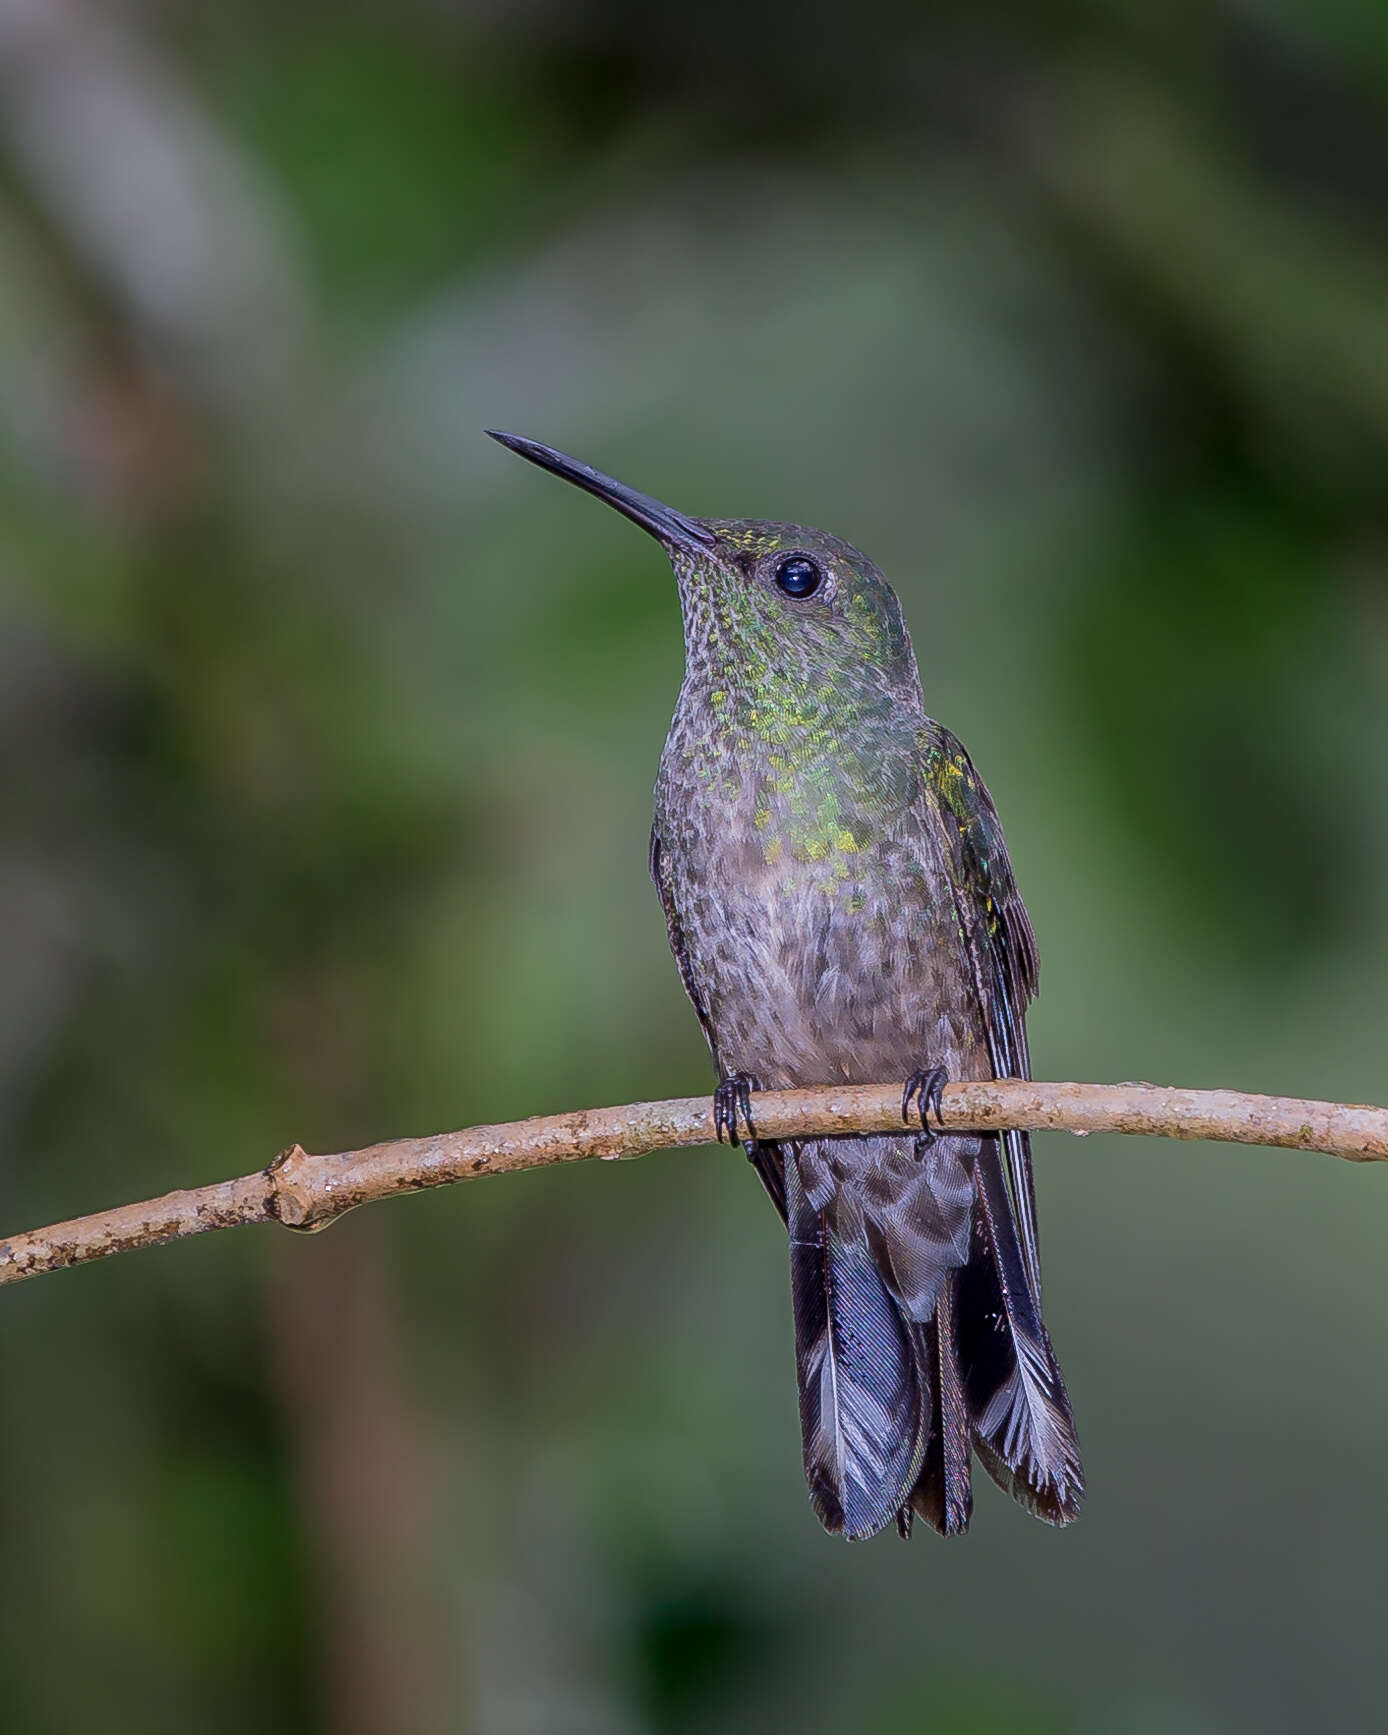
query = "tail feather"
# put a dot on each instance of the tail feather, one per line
(1024, 1433)
(943, 1495)
(862, 1412)
(919, 1338)
(918, 1207)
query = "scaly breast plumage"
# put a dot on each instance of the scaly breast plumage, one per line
(813, 977)
(816, 912)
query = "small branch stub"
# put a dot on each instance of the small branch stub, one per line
(292, 1205)
(307, 1192)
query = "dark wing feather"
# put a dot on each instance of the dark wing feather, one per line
(1006, 961)
(1023, 1429)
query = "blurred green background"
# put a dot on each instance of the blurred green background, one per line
(327, 733)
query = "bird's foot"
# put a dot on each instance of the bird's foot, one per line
(925, 1088)
(732, 1101)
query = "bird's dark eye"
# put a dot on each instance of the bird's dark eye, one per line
(798, 576)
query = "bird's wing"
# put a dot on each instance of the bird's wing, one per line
(765, 1159)
(664, 884)
(1023, 1428)
(1001, 943)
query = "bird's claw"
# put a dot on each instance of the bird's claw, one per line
(926, 1090)
(733, 1101)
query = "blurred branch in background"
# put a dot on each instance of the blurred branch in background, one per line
(162, 212)
(367, 1488)
(307, 1192)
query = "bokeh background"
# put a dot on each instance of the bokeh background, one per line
(327, 732)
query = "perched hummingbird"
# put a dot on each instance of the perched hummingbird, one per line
(842, 910)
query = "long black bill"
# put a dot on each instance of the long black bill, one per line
(663, 522)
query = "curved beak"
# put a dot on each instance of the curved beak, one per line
(664, 523)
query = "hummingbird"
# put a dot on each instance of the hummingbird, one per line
(842, 909)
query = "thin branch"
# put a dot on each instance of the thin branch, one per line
(308, 1192)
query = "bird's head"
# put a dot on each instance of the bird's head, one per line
(765, 601)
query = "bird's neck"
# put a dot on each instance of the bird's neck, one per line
(785, 691)
(811, 768)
